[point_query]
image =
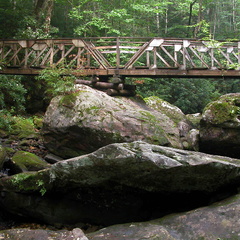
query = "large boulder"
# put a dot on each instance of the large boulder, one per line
(220, 126)
(88, 119)
(218, 221)
(120, 183)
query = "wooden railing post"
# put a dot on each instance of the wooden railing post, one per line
(118, 53)
(186, 44)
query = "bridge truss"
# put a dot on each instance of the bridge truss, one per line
(123, 56)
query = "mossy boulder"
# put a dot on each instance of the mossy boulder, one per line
(220, 126)
(3, 155)
(86, 120)
(25, 161)
(121, 182)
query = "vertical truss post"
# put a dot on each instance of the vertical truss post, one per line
(14, 54)
(148, 59)
(212, 57)
(154, 57)
(26, 58)
(177, 48)
(118, 53)
(186, 44)
(51, 45)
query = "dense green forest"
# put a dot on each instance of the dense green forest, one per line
(201, 19)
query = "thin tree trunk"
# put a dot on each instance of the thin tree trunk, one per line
(166, 21)
(190, 13)
(158, 22)
(234, 15)
(198, 27)
(49, 9)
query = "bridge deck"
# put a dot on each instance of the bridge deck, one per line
(129, 57)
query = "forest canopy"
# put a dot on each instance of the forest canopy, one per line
(201, 19)
(79, 18)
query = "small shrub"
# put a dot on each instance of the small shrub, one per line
(12, 93)
(6, 120)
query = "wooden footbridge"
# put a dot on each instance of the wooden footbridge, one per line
(122, 56)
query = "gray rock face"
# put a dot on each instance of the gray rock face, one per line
(120, 183)
(220, 126)
(84, 121)
(178, 117)
(195, 119)
(40, 234)
(218, 221)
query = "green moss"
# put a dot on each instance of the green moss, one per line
(38, 122)
(28, 182)
(28, 161)
(22, 181)
(69, 100)
(92, 110)
(23, 128)
(158, 104)
(223, 111)
(3, 155)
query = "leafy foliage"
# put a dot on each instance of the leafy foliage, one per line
(12, 93)
(6, 120)
(190, 95)
(58, 80)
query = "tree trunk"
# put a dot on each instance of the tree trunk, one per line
(198, 27)
(43, 12)
(190, 13)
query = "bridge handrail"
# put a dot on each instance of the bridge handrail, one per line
(121, 53)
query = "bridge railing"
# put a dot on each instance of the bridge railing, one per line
(120, 53)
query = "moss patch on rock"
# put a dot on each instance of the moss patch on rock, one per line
(26, 161)
(225, 109)
(3, 155)
(23, 128)
(68, 100)
(194, 119)
(28, 182)
(170, 110)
